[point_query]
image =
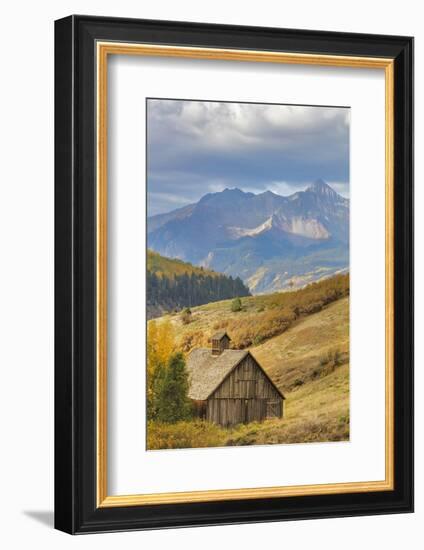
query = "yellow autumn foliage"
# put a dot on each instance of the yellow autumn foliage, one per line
(160, 345)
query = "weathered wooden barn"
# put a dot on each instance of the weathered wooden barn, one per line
(229, 386)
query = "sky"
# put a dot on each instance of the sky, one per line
(199, 147)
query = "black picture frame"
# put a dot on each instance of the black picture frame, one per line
(76, 510)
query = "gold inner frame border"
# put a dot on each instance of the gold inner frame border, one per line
(103, 50)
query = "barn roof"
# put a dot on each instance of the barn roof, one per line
(220, 334)
(207, 371)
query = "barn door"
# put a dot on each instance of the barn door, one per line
(273, 409)
(246, 411)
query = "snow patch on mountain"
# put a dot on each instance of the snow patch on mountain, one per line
(240, 232)
(297, 225)
(305, 227)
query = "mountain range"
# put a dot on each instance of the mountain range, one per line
(272, 242)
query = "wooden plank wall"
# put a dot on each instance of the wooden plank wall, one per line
(246, 381)
(245, 396)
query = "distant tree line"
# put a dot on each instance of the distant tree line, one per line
(188, 290)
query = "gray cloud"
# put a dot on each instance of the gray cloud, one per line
(197, 147)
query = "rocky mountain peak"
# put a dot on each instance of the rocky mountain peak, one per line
(320, 187)
(237, 232)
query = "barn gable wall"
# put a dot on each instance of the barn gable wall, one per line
(246, 381)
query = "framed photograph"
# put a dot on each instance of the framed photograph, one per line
(234, 274)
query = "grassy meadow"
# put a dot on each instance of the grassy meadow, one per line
(301, 339)
(261, 317)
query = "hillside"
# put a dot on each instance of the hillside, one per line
(173, 284)
(170, 267)
(310, 363)
(307, 349)
(272, 242)
(261, 317)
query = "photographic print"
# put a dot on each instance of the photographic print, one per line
(247, 277)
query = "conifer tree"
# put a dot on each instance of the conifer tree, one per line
(173, 403)
(189, 290)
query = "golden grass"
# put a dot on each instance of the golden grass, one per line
(184, 435)
(262, 317)
(300, 354)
